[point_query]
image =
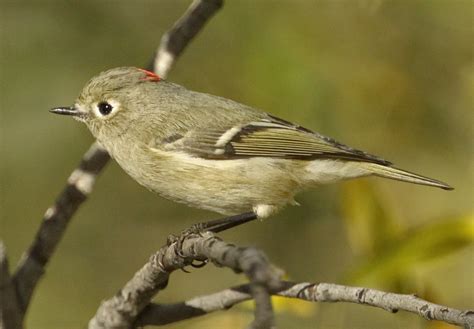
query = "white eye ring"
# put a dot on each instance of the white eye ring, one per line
(106, 109)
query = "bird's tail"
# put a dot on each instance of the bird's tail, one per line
(403, 175)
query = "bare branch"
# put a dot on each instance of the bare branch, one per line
(121, 310)
(162, 314)
(10, 317)
(183, 31)
(328, 292)
(55, 221)
(157, 314)
(264, 316)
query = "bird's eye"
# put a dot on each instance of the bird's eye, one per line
(104, 108)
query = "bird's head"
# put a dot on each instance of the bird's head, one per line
(113, 100)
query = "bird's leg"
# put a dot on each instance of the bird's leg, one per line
(215, 226)
(222, 224)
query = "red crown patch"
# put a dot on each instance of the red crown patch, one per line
(150, 76)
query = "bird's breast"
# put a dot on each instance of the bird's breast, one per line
(224, 186)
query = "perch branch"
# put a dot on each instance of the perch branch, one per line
(162, 314)
(122, 310)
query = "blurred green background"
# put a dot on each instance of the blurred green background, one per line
(395, 78)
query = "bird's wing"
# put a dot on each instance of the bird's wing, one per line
(266, 137)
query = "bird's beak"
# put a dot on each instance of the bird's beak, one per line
(71, 110)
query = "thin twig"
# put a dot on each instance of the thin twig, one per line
(79, 185)
(122, 310)
(9, 316)
(159, 314)
(183, 31)
(264, 315)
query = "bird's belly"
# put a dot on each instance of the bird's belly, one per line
(223, 186)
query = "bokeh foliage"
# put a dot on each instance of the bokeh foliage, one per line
(395, 78)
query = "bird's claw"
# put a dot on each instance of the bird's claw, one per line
(201, 263)
(195, 229)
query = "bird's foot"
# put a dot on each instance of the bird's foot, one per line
(217, 225)
(178, 241)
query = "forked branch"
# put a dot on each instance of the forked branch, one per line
(122, 310)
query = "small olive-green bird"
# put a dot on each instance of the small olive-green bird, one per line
(213, 153)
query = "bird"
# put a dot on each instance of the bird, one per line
(213, 153)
